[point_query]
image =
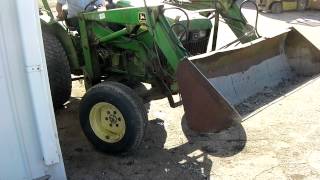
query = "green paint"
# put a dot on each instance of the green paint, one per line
(113, 36)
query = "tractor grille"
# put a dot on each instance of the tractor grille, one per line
(196, 47)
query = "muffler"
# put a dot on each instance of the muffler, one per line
(212, 83)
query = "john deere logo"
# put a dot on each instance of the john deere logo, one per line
(142, 17)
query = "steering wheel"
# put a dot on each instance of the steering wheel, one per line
(92, 6)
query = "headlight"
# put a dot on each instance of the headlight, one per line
(202, 33)
(198, 35)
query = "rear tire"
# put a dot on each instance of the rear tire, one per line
(276, 8)
(58, 69)
(113, 117)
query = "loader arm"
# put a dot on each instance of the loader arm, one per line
(233, 16)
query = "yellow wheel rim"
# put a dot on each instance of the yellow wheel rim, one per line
(107, 122)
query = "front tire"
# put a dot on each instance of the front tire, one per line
(113, 117)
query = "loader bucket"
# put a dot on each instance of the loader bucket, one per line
(212, 83)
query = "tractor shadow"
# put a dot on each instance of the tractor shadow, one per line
(225, 143)
(191, 159)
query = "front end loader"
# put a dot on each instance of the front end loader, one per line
(118, 49)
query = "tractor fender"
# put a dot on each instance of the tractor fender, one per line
(61, 33)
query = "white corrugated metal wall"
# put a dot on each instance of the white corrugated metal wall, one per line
(29, 146)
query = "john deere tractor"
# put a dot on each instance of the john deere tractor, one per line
(118, 49)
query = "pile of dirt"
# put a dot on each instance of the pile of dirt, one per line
(269, 94)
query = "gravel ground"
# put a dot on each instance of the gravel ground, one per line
(268, 95)
(277, 140)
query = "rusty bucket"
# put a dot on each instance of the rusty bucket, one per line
(212, 83)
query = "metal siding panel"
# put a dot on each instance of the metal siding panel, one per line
(38, 80)
(19, 110)
(12, 164)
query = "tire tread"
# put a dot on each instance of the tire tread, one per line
(58, 69)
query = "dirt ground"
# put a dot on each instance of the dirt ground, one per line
(279, 140)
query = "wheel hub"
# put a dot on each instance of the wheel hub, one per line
(107, 122)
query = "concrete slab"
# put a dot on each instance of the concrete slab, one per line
(281, 141)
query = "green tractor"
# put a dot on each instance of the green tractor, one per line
(116, 50)
(55, 35)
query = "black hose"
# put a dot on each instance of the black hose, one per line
(90, 3)
(257, 13)
(183, 26)
(187, 16)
